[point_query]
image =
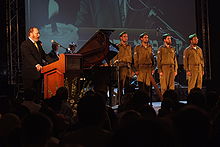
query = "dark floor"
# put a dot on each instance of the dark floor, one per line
(156, 105)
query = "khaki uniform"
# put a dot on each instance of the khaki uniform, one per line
(143, 63)
(167, 64)
(123, 59)
(193, 62)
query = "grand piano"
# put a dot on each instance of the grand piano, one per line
(97, 53)
(98, 50)
(91, 62)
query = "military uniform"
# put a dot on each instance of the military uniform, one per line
(123, 60)
(194, 63)
(144, 64)
(167, 64)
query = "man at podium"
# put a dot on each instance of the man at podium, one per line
(33, 58)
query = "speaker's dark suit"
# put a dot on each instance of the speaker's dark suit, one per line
(30, 58)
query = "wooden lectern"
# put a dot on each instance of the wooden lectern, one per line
(54, 73)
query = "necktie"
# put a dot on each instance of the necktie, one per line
(36, 46)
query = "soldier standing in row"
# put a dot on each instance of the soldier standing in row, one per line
(167, 64)
(123, 60)
(193, 63)
(144, 63)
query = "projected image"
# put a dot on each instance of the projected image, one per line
(76, 21)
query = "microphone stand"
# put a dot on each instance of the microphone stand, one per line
(119, 85)
(167, 26)
(63, 47)
(154, 13)
(52, 41)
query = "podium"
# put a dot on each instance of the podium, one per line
(54, 73)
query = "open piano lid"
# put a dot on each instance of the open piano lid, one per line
(98, 49)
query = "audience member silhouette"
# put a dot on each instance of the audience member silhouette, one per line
(91, 114)
(198, 98)
(192, 127)
(59, 104)
(140, 103)
(36, 130)
(128, 117)
(9, 122)
(170, 103)
(143, 133)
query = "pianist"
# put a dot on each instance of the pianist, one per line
(71, 49)
(53, 55)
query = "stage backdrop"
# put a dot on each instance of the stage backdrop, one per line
(66, 21)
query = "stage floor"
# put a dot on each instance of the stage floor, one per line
(156, 105)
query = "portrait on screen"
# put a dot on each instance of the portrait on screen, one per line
(76, 21)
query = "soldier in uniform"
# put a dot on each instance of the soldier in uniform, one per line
(144, 63)
(123, 60)
(167, 64)
(193, 63)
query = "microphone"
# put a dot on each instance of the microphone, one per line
(53, 41)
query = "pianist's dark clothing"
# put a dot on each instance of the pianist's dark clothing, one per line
(52, 56)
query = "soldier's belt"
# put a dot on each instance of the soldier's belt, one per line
(195, 64)
(168, 65)
(123, 64)
(145, 65)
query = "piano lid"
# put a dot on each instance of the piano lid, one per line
(98, 49)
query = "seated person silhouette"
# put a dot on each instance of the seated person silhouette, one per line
(53, 55)
(71, 49)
